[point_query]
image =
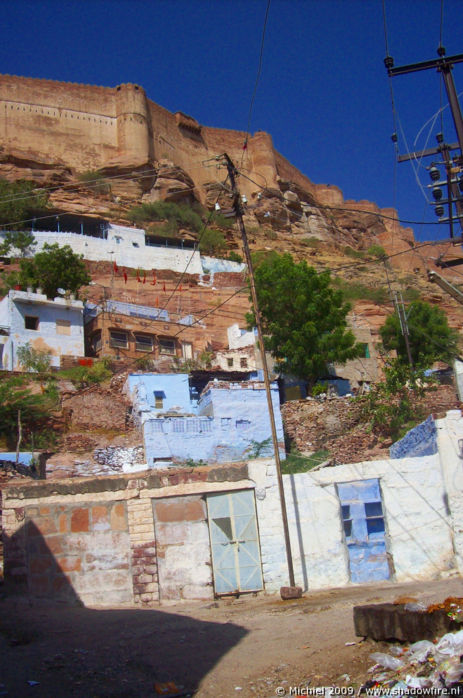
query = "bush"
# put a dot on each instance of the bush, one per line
(297, 463)
(177, 214)
(234, 257)
(313, 242)
(212, 242)
(319, 388)
(376, 251)
(355, 290)
(218, 219)
(33, 359)
(270, 234)
(355, 254)
(82, 376)
(95, 181)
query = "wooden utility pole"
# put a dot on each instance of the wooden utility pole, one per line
(239, 217)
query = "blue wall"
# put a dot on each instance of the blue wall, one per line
(24, 458)
(419, 441)
(222, 427)
(173, 386)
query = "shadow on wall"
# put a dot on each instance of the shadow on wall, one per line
(78, 651)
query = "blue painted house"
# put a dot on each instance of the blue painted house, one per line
(228, 421)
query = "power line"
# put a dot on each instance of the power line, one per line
(259, 70)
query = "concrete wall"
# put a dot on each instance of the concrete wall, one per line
(124, 252)
(49, 336)
(419, 529)
(450, 445)
(238, 338)
(105, 540)
(183, 549)
(214, 265)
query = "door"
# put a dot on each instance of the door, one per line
(234, 542)
(364, 530)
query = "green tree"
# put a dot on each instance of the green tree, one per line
(430, 337)
(33, 359)
(15, 396)
(22, 240)
(303, 318)
(53, 268)
(19, 202)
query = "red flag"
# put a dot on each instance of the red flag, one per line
(156, 302)
(245, 144)
(115, 267)
(125, 276)
(144, 277)
(138, 276)
(164, 287)
(153, 283)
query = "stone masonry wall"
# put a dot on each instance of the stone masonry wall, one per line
(100, 540)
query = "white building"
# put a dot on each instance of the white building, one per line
(54, 326)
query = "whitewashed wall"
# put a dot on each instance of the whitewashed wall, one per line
(18, 304)
(450, 445)
(419, 534)
(124, 252)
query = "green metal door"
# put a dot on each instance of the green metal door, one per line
(234, 542)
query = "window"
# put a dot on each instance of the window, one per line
(118, 339)
(346, 520)
(167, 346)
(187, 350)
(205, 425)
(31, 322)
(159, 399)
(243, 362)
(230, 363)
(143, 342)
(242, 424)
(225, 422)
(63, 327)
(374, 517)
(365, 350)
(178, 426)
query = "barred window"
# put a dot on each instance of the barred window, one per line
(143, 342)
(118, 339)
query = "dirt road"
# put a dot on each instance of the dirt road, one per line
(235, 647)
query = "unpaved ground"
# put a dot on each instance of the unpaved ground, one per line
(235, 647)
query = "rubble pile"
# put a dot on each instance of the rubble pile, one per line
(109, 460)
(336, 424)
(117, 457)
(420, 666)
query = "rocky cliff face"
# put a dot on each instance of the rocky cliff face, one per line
(53, 131)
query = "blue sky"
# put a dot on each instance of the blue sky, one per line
(323, 93)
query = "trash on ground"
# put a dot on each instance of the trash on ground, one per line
(422, 665)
